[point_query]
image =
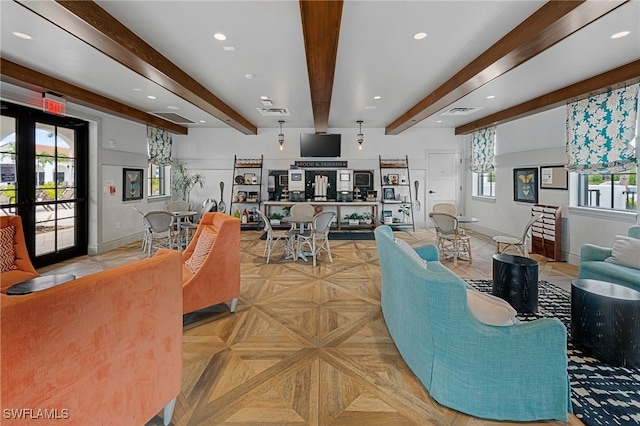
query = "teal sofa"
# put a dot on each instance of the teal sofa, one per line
(516, 373)
(593, 266)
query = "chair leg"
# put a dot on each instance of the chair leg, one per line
(168, 412)
(234, 303)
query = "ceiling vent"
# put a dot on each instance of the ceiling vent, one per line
(172, 116)
(274, 112)
(461, 111)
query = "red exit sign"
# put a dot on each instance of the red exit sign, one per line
(54, 104)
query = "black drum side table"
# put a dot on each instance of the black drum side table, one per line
(605, 321)
(515, 279)
(39, 283)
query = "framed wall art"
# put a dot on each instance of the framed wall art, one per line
(554, 177)
(525, 185)
(389, 194)
(132, 184)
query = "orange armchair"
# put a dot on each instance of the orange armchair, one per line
(25, 269)
(218, 278)
(102, 349)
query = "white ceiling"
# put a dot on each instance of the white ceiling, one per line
(377, 55)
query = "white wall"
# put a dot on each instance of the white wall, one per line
(535, 141)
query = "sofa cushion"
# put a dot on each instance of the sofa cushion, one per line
(625, 252)
(203, 247)
(7, 253)
(490, 310)
(411, 252)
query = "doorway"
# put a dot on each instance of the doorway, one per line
(44, 164)
(443, 179)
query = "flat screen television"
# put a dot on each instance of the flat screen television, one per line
(312, 145)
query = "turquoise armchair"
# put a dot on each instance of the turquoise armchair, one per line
(516, 373)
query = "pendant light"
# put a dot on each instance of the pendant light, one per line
(360, 135)
(281, 136)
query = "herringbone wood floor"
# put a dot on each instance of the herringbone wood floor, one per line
(307, 346)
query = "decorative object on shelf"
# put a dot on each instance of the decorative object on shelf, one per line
(241, 196)
(393, 179)
(372, 195)
(525, 185)
(360, 136)
(389, 194)
(387, 216)
(353, 218)
(275, 218)
(281, 136)
(405, 209)
(239, 179)
(249, 178)
(184, 181)
(132, 184)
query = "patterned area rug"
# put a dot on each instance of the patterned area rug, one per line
(601, 394)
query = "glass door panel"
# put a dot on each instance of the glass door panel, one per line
(8, 171)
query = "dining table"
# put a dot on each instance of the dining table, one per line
(179, 216)
(299, 223)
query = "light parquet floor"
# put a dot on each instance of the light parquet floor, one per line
(307, 346)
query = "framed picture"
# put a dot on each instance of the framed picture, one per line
(248, 178)
(372, 195)
(283, 180)
(362, 179)
(525, 185)
(132, 184)
(389, 194)
(394, 179)
(554, 177)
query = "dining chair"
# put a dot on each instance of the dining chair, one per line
(145, 235)
(191, 225)
(274, 238)
(160, 224)
(449, 239)
(317, 238)
(445, 208)
(519, 244)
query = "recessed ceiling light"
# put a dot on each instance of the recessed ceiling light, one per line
(491, 96)
(220, 36)
(420, 36)
(137, 89)
(377, 97)
(439, 121)
(228, 48)
(202, 121)
(151, 97)
(621, 34)
(264, 98)
(175, 108)
(22, 35)
(249, 76)
(370, 107)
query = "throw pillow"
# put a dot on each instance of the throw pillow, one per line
(7, 254)
(625, 252)
(490, 310)
(411, 252)
(203, 247)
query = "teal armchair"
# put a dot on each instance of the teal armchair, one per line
(515, 373)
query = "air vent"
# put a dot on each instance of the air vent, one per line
(274, 112)
(461, 111)
(172, 116)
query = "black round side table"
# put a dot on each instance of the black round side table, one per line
(605, 321)
(515, 279)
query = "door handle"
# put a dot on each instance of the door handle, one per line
(432, 192)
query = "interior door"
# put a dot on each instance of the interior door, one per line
(443, 169)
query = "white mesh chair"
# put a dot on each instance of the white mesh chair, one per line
(160, 224)
(274, 238)
(504, 243)
(178, 206)
(445, 208)
(450, 241)
(317, 238)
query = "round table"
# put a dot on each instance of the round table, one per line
(515, 279)
(39, 283)
(605, 321)
(300, 222)
(179, 216)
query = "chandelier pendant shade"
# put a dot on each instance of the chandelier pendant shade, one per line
(360, 136)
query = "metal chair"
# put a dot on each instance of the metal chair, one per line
(317, 238)
(445, 208)
(274, 238)
(503, 243)
(145, 235)
(160, 224)
(187, 226)
(450, 240)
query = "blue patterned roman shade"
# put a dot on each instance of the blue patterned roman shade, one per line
(159, 143)
(601, 132)
(483, 150)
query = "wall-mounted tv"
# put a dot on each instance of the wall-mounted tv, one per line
(312, 145)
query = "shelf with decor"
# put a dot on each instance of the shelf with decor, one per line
(396, 197)
(246, 191)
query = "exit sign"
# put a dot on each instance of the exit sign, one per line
(54, 104)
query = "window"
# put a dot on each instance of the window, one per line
(157, 180)
(609, 191)
(485, 184)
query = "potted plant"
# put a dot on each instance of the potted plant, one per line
(275, 218)
(367, 217)
(183, 181)
(405, 209)
(353, 218)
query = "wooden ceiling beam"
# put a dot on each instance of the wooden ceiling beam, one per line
(93, 25)
(21, 76)
(629, 73)
(554, 21)
(321, 30)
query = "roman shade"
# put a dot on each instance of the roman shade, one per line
(483, 150)
(159, 143)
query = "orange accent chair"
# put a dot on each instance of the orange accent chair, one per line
(218, 278)
(102, 349)
(25, 269)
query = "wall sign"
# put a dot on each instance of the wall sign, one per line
(553, 177)
(314, 164)
(54, 104)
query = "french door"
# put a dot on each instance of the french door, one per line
(43, 164)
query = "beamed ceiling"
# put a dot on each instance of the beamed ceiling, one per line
(321, 63)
